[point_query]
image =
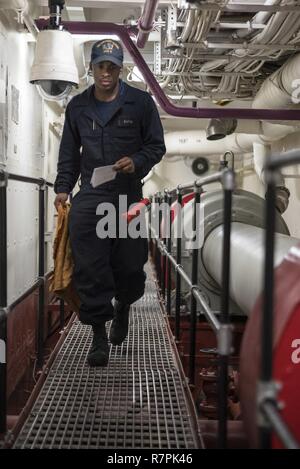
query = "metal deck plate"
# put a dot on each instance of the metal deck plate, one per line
(137, 401)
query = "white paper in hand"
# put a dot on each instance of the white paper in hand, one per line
(103, 174)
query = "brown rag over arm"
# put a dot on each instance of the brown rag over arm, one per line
(61, 282)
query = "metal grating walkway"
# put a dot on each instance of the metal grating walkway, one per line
(138, 401)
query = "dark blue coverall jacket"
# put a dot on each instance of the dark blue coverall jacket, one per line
(107, 268)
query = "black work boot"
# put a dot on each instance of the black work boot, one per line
(99, 351)
(119, 326)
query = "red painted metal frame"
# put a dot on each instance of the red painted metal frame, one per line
(286, 329)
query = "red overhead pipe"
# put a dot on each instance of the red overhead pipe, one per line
(146, 21)
(81, 27)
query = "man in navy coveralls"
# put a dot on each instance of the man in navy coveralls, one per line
(109, 123)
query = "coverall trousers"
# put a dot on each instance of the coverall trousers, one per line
(104, 268)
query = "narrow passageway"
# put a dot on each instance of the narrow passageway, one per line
(138, 401)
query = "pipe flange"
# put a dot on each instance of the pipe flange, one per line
(247, 208)
(143, 29)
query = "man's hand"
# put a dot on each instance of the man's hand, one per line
(60, 199)
(124, 165)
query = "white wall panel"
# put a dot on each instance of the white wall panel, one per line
(24, 136)
(23, 157)
(3, 99)
(22, 237)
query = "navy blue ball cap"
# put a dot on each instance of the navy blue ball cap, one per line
(107, 50)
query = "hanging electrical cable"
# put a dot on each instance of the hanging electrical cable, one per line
(242, 70)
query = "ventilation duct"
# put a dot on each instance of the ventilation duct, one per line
(282, 88)
(220, 128)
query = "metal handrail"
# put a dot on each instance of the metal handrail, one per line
(267, 389)
(28, 179)
(30, 290)
(194, 289)
(221, 327)
(268, 407)
(270, 410)
(40, 283)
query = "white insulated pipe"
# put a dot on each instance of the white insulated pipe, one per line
(282, 88)
(22, 7)
(264, 16)
(260, 18)
(195, 143)
(247, 260)
(13, 4)
(260, 155)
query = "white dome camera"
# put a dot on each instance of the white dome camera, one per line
(54, 69)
